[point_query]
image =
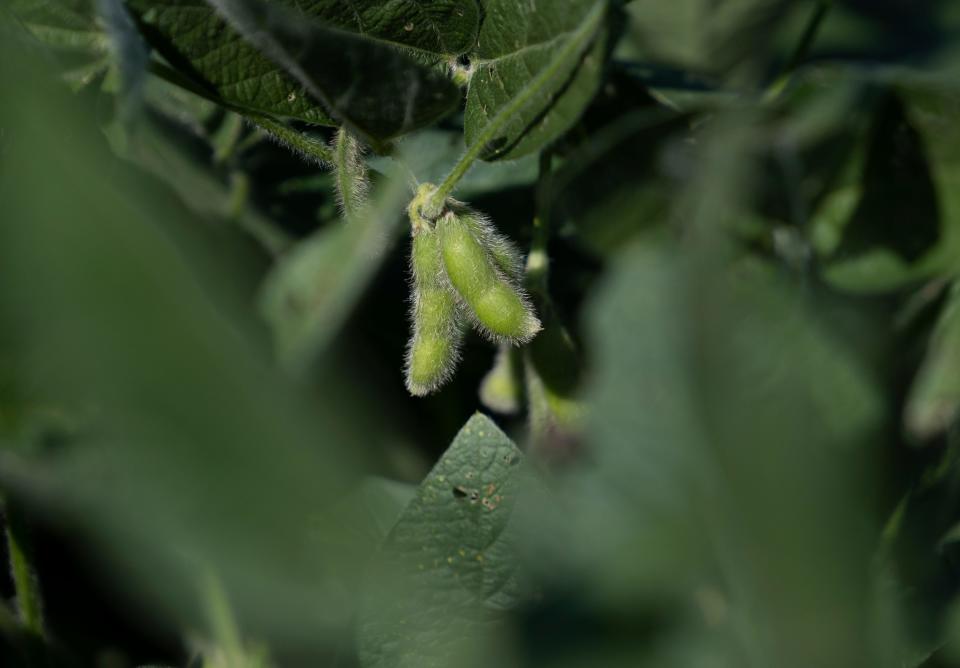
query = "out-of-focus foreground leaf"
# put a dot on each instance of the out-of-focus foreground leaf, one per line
(69, 25)
(309, 293)
(191, 455)
(68, 28)
(726, 461)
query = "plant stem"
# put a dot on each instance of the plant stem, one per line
(506, 113)
(303, 144)
(26, 585)
(349, 172)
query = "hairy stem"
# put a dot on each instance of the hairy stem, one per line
(349, 172)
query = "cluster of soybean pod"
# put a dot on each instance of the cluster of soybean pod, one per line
(464, 273)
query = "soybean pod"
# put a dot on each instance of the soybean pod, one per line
(506, 256)
(495, 302)
(437, 326)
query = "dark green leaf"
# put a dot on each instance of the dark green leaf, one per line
(705, 36)
(197, 41)
(277, 60)
(363, 83)
(441, 27)
(535, 70)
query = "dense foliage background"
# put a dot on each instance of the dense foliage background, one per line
(734, 443)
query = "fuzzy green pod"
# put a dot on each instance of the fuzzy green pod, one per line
(504, 254)
(496, 302)
(434, 347)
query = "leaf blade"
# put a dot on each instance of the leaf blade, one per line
(533, 79)
(272, 59)
(447, 564)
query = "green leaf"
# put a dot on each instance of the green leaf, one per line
(213, 459)
(196, 40)
(440, 27)
(703, 35)
(900, 224)
(720, 410)
(448, 565)
(68, 25)
(934, 401)
(130, 56)
(276, 60)
(364, 516)
(899, 208)
(535, 70)
(311, 291)
(616, 186)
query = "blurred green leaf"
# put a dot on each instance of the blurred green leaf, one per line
(129, 56)
(364, 515)
(312, 289)
(448, 571)
(535, 70)
(69, 25)
(934, 401)
(620, 184)
(197, 456)
(898, 208)
(720, 443)
(706, 37)
(905, 226)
